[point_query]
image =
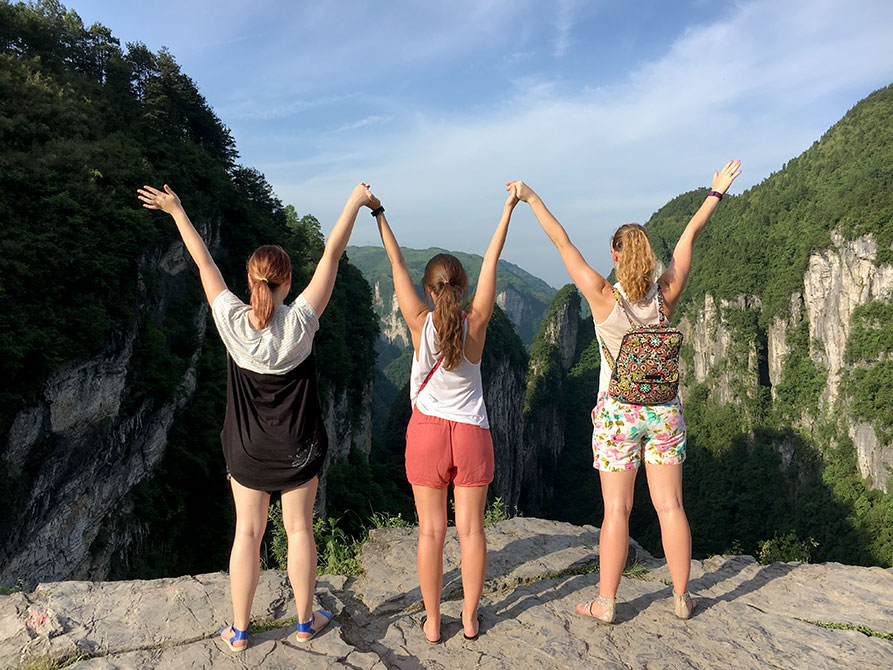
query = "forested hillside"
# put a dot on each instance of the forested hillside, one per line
(787, 359)
(113, 385)
(112, 396)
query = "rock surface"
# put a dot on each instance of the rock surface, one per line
(749, 616)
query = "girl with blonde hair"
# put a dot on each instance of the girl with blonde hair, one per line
(625, 433)
(273, 435)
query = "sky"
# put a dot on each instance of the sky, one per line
(607, 109)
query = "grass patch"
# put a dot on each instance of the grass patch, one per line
(497, 511)
(9, 590)
(50, 662)
(636, 571)
(337, 552)
(572, 571)
(264, 626)
(865, 630)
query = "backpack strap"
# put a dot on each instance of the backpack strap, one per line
(619, 299)
(661, 307)
(607, 354)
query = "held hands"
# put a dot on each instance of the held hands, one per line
(518, 190)
(166, 201)
(724, 178)
(361, 196)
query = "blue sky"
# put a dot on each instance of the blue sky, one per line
(606, 108)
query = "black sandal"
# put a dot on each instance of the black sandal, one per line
(475, 636)
(437, 641)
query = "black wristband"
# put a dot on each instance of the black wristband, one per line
(715, 193)
(378, 210)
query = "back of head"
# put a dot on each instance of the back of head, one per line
(446, 279)
(635, 260)
(268, 268)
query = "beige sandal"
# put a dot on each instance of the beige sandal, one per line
(684, 604)
(608, 603)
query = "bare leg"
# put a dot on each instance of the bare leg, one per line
(244, 560)
(297, 517)
(431, 509)
(617, 493)
(470, 502)
(665, 485)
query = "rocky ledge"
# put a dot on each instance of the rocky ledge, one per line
(784, 615)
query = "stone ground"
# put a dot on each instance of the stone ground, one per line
(749, 616)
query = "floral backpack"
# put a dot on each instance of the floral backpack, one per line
(646, 371)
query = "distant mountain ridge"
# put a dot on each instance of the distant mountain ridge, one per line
(522, 296)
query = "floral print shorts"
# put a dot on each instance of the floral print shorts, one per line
(624, 434)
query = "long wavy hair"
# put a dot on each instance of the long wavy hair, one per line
(446, 279)
(268, 268)
(635, 260)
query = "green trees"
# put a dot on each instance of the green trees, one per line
(83, 123)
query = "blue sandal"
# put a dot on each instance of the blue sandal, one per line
(238, 635)
(307, 627)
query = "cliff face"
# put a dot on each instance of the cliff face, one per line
(545, 422)
(93, 437)
(82, 448)
(736, 356)
(391, 324)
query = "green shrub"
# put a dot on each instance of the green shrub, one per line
(786, 548)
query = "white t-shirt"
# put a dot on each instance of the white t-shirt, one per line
(455, 395)
(613, 328)
(278, 348)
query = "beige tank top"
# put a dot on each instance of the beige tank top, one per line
(613, 328)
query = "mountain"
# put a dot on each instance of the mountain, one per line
(113, 390)
(787, 361)
(521, 296)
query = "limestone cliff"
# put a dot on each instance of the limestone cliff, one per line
(552, 354)
(736, 355)
(100, 430)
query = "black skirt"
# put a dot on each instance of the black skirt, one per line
(273, 437)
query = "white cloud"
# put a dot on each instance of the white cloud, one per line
(760, 86)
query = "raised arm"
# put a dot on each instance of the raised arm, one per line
(167, 201)
(672, 281)
(319, 290)
(411, 306)
(592, 285)
(485, 292)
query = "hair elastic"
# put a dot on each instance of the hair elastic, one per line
(264, 280)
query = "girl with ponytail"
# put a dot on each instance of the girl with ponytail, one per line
(625, 434)
(448, 437)
(273, 435)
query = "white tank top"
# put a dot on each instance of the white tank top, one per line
(455, 395)
(613, 328)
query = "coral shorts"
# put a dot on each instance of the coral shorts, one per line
(624, 435)
(439, 451)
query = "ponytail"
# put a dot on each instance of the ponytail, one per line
(268, 268)
(446, 279)
(635, 263)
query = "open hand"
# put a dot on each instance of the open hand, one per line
(724, 178)
(166, 201)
